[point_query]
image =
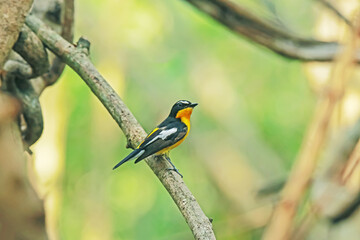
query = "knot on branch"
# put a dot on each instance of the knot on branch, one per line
(83, 45)
(32, 50)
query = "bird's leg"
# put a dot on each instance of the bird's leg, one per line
(174, 168)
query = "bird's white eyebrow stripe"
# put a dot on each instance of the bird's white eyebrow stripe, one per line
(163, 134)
(184, 101)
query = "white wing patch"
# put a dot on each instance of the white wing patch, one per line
(163, 135)
(139, 154)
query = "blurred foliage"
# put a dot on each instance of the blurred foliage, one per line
(253, 109)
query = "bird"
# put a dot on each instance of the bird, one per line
(167, 135)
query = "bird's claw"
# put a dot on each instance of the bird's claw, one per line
(176, 170)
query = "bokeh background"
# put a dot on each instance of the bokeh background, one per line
(253, 110)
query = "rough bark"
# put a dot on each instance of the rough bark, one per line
(13, 13)
(31, 49)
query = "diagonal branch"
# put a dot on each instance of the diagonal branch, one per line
(269, 35)
(77, 59)
(332, 8)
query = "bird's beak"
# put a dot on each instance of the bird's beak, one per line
(193, 105)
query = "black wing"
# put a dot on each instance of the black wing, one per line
(166, 134)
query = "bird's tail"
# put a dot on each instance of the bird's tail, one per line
(134, 154)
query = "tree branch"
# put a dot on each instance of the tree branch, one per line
(77, 59)
(32, 50)
(268, 35)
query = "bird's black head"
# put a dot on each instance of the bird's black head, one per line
(182, 107)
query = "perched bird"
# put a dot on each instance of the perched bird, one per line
(166, 136)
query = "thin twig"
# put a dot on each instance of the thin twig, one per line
(281, 224)
(77, 59)
(352, 163)
(331, 7)
(261, 31)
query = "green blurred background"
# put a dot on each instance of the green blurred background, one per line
(253, 108)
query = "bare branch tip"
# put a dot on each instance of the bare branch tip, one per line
(84, 45)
